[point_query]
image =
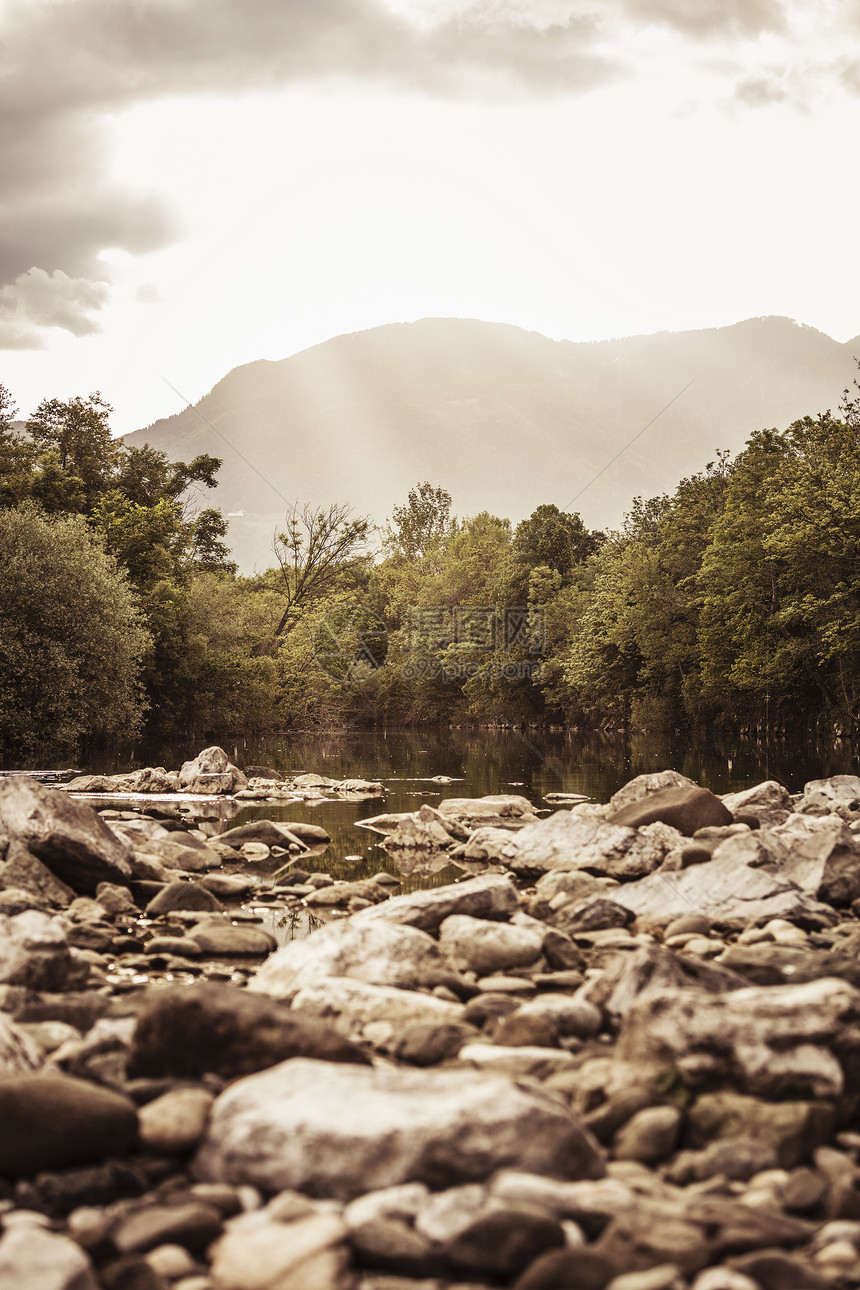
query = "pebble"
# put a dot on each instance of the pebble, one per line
(531, 997)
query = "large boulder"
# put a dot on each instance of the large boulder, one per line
(490, 896)
(825, 863)
(342, 1131)
(840, 794)
(190, 1030)
(380, 952)
(570, 841)
(768, 802)
(68, 835)
(685, 809)
(211, 771)
(55, 1122)
(725, 890)
(765, 1041)
(645, 785)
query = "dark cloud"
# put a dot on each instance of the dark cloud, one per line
(66, 64)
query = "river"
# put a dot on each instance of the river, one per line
(532, 763)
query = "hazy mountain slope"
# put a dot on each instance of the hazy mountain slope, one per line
(503, 418)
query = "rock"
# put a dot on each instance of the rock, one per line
(685, 809)
(263, 772)
(66, 834)
(116, 900)
(570, 1018)
(485, 846)
(378, 952)
(826, 864)
(575, 883)
(54, 1121)
(769, 803)
(504, 1241)
(308, 1254)
(738, 1158)
(216, 936)
(792, 1130)
(776, 1270)
(211, 772)
(639, 1240)
(645, 785)
(194, 1226)
(18, 1050)
(651, 1135)
(518, 1031)
(508, 805)
(26, 872)
(839, 794)
(349, 1005)
(582, 1269)
(180, 851)
(272, 833)
(723, 890)
(33, 1259)
(429, 1044)
(763, 1041)
(568, 841)
(34, 953)
(340, 1131)
(175, 1122)
(391, 1245)
(595, 915)
(228, 886)
(652, 969)
(205, 1028)
(182, 894)
(486, 947)
(489, 896)
(422, 830)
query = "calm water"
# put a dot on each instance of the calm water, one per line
(483, 761)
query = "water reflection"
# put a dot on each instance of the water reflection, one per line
(534, 763)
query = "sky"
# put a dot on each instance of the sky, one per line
(188, 186)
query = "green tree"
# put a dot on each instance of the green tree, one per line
(312, 552)
(76, 434)
(71, 636)
(780, 622)
(417, 528)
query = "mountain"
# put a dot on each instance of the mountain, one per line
(503, 418)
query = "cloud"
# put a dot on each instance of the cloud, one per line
(37, 299)
(66, 65)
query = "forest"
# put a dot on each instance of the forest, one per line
(734, 602)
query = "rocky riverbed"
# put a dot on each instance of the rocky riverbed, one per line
(622, 1052)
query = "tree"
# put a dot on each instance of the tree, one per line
(419, 525)
(71, 636)
(557, 539)
(312, 552)
(77, 434)
(780, 622)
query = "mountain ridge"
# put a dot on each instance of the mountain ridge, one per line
(503, 417)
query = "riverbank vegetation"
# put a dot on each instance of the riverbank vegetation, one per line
(735, 601)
